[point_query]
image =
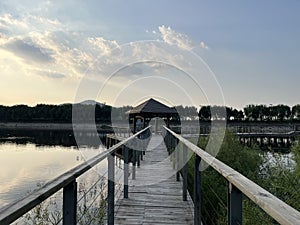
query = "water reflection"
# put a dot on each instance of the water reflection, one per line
(31, 158)
(47, 137)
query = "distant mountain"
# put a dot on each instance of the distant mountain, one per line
(91, 102)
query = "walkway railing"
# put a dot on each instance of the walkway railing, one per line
(238, 186)
(67, 182)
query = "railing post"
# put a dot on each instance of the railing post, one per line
(133, 162)
(197, 191)
(138, 146)
(125, 171)
(168, 142)
(177, 149)
(70, 203)
(109, 142)
(145, 144)
(184, 172)
(111, 190)
(235, 205)
(142, 146)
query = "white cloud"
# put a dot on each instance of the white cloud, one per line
(43, 21)
(203, 45)
(37, 40)
(181, 40)
(103, 46)
(49, 73)
(7, 20)
(44, 43)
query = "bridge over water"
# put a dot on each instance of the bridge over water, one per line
(155, 197)
(152, 191)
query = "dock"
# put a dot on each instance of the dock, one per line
(155, 197)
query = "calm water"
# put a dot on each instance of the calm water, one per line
(31, 158)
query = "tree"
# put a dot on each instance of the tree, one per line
(296, 112)
(204, 113)
(284, 112)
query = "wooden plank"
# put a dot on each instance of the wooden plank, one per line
(155, 197)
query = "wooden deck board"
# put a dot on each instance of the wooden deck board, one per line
(155, 197)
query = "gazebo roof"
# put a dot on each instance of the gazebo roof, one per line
(152, 106)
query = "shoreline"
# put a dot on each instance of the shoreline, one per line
(48, 126)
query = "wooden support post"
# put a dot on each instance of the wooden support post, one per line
(138, 151)
(235, 205)
(126, 171)
(275, 142)
(110, 142)
(184, 172)
(197, 191)
(133, 162)
(111, 190)
(177, 163)
(70, 203)
(169, 142)
(142, 148)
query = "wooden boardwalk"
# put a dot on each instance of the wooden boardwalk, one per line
(155, 197)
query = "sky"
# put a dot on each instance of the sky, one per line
(122, 52)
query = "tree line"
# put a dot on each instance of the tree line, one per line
(104, 113)
(53, 113)
(251, 113)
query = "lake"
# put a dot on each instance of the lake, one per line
(28, 159)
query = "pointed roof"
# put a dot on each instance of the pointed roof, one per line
(152, 106)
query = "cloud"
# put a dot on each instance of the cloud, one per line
(28, 51)
(7, 21)
(49, 74)
(181, 40)
(44, 43)
(103, 46)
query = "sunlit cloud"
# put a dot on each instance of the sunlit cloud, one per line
(8, 22)
(58, 53)
(172, 37)
(51, 51)
(102, 45)
(49, 73)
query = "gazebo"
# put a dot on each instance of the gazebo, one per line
(140, 116)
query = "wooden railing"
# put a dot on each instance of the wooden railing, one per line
(238, 186)
(67, 182)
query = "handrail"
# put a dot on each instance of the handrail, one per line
(276, 208)
(15, 210)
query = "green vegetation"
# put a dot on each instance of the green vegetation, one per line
(103, 113)
(251, 113)
(91, 206)
(54, 113)
(276, 177)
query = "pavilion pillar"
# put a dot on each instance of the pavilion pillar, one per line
(168, 122)
(134, 125)
(144, 122)
(156, 126)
